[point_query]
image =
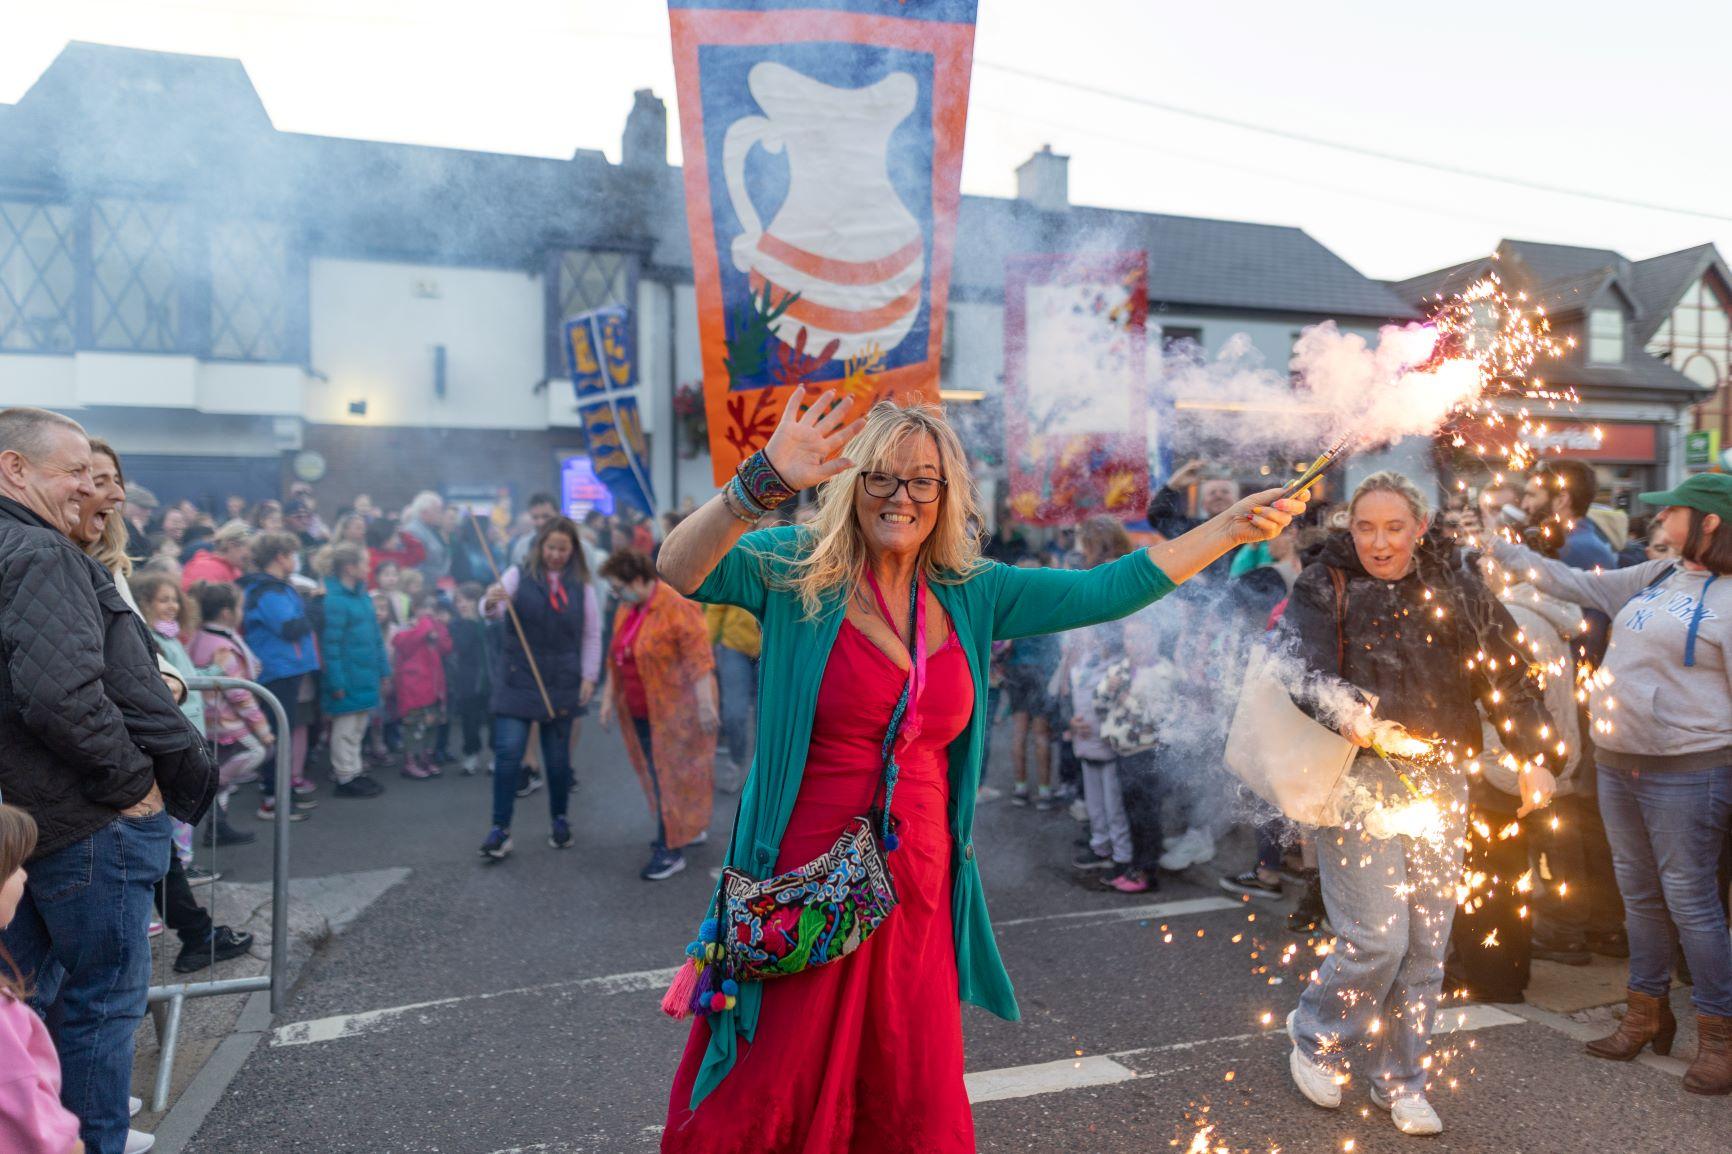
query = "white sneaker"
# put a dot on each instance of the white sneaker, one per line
(1202, 846)
(1180, 852)
(138, 1142)
(1079, 810)
(133, 1106)
(1319, 1085)
(1411, 1113)
(987, 793)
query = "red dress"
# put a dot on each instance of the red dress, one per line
(863, 1056)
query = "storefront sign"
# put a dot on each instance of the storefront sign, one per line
(1630, 444)
(1701, 448)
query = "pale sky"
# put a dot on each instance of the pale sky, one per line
(1626, 100)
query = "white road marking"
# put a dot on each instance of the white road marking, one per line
(1177, 909)
(1128, 1065)
(1477, 1016)
(372, 1021)
(341, 1026)
(1045, 1078)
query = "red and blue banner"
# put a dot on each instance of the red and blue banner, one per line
(823, 157)
(1076, 409)
(600, 355)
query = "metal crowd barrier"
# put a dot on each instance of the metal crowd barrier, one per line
(167, 1001)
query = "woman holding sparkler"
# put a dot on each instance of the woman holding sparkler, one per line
(1386, 615)
(1662, 713)
(878, 623)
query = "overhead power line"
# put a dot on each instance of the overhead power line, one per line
(1345, 146)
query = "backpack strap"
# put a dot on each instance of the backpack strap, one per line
(1338, 578)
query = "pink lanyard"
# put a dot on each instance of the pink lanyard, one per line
(917, 675)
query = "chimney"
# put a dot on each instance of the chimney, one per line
(646, 132)
(1043, 180)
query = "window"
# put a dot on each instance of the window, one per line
(592, 280)
(38, 278)
(1606, 336)
(249, 283)
(579, 280)
(136, 265)
(1173, 336)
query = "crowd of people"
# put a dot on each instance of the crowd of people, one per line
(1578, 660)
(430, 640)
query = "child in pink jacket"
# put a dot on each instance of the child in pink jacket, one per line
(418, 673)
(32, 1120)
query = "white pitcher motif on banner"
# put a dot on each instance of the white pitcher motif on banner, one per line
(842, 239)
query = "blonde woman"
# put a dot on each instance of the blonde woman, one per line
(881, 607)
(1386, 615)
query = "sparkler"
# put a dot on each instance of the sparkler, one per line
(1318, 467)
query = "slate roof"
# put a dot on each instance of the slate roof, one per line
(101, 118)
(1660, 281)
(1192, 261)
(1567, 280)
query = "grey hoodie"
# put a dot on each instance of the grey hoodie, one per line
(1666, 701)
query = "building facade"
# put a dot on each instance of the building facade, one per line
(233, 306)
(1637, 359)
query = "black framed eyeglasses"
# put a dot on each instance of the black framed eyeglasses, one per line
(921, 490)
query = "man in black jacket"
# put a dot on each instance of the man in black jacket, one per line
(89, 730)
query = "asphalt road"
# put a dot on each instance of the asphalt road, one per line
(510, 1009)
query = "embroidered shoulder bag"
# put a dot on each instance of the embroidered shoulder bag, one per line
(817, 913)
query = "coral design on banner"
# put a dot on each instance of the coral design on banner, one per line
(823, 157)
(1076, 405)
(603, 365)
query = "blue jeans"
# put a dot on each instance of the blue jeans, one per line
(738, 675)
(1388, 963)
(81, 937)
(1666, 830)
(510, 739)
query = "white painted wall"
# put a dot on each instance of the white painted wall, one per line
(375, 324)
(146, 381)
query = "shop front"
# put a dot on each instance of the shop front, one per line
(1626, 456)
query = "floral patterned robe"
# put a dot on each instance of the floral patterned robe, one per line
(672, 648)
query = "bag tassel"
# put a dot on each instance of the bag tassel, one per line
(682, 997)
(677, 1002)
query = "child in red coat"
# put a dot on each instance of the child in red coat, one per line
(418, 652)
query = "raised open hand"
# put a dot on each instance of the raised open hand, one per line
(804, 448)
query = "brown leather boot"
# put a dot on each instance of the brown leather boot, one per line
(1711, 1072)
(1648, 1019)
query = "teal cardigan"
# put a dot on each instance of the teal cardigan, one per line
(996, 602)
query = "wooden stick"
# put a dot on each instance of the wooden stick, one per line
(511, 611)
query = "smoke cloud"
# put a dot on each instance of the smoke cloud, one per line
(1338, 383)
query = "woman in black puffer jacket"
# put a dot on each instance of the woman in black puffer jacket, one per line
(1387, 615)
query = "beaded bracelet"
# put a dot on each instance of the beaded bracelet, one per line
(739, 508)
(760, 482)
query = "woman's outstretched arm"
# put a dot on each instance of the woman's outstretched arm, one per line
(1258, 517)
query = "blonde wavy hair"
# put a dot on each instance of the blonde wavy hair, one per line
(837, 557)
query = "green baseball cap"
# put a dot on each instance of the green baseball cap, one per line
(1709, 492)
